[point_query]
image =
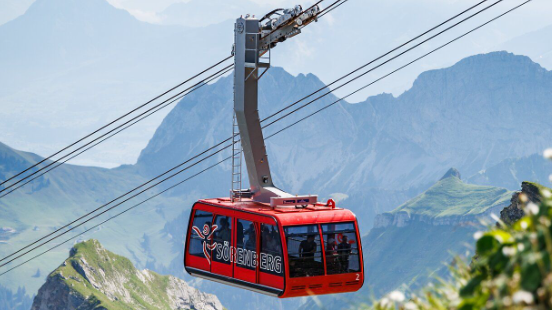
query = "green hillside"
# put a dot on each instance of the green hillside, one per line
(94, 278)
(67, 193)
(452, 197)
(511, 269)
(412, 253)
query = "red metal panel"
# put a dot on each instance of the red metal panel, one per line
(197, 262)
(316, 217)
(245, 274)
(271, 280)
(333, 284)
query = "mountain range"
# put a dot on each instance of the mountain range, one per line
(93, 57)
(473, 116)
(482, 112)
(97, 62)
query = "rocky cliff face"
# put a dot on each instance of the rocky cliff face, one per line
(94, 278)
(513, 212)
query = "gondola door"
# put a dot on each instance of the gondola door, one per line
(199, 245)
(245, 258)
(223, 245)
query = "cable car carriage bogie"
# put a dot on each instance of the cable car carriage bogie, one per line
(264, 239)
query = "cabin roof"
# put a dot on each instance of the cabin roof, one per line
(313, 214)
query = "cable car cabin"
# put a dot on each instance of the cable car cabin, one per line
(282, 251)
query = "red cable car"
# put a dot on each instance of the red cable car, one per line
(262, 238)
(282, 251)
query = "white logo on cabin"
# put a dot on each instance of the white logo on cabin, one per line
(227, 253)
(206, 235)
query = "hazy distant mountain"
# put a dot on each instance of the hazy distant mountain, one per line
(424, 233)
(472, 115)
(14, 300)
(374, 155)
(536, 44)
(81, 63)
(512, 171)
(12, 9)
(212, 12)
(69, 66)
(65, 194)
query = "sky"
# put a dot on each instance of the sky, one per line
(353, 34)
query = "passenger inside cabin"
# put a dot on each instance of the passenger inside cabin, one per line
(251, 242)
(273, 237)
(331, 253)
(224, 231)
(307, 248)
(344, 250)
(268, 241)
(240, 232)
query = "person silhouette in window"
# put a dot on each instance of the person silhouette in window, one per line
(240, 234)
(224, 232)
(251, 243)
(344, 250)
(307, 248)
(331, 254)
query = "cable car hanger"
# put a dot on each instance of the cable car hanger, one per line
(263, 238)
(253, 39)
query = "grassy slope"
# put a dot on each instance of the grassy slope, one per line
(452, 197)
(64, 195)
(112, 264)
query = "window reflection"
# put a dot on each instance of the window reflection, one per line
(223, 237)
(246, 240)
(202, 221)
(304, 251)
(271, 250)
(341, 247)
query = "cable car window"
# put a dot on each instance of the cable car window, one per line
(246, 249)
(304, 251)
(341, 248)
(201, 230)
(223, 239)
(271, 250)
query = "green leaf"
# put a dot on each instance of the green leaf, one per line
(486, 244)
(469, 289)
(524, 224)
(530, 277)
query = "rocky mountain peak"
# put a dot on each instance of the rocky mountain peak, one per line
(94, 278)
(453, 172)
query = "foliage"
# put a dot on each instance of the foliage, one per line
(511, 270)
